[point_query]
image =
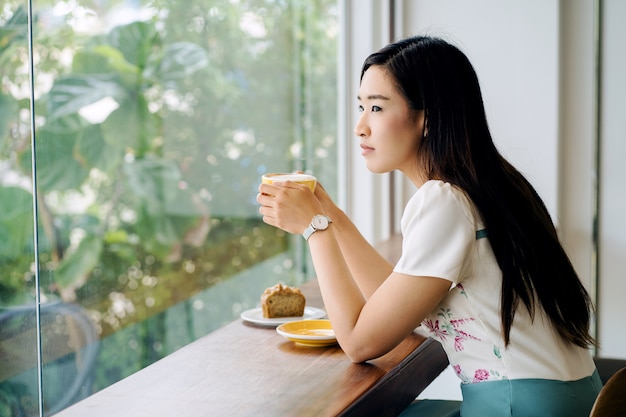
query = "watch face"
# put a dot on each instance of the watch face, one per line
(320, 222)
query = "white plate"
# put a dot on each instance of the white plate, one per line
(255, 315)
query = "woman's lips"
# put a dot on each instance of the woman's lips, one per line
(366, 150)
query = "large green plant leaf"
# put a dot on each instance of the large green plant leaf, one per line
(67, 149)
(14, 30)
(132, 126)
(70, 93)
(8, 112)
(151, 179)
(93, 151)
(179, 60)
(157, 233)
(76, 266)
(67, 124)
(136, 41)
(16, 221)
(103, 59)
(14, 203)
(58, 167)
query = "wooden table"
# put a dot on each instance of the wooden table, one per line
(245, 370)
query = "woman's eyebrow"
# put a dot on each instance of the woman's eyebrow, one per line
(374, 97)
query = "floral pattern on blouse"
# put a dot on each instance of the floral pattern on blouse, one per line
(480, 375)
(450, 327)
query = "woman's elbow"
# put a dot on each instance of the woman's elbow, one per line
(355, 358)
(360, 353)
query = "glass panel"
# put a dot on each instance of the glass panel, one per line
(154, 122)
(18, 324)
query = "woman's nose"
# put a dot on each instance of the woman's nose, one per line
(361, 128)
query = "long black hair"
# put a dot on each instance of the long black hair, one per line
(437, 77)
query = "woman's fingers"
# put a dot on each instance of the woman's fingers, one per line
(287, 205)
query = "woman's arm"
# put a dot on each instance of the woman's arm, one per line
(368, 267)
(366, 327)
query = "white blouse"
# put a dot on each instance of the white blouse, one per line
(440, 239)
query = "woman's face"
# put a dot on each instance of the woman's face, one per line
(389, 131)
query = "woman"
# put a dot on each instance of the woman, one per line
(481, 266)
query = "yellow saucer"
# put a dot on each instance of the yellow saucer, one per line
(308, 332)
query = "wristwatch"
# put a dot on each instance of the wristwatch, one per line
(319, 222)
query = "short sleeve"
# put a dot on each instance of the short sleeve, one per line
(438, 233)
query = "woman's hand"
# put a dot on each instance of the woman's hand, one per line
(327, 203)
(288, 205)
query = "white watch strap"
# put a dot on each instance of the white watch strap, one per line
(308, 232)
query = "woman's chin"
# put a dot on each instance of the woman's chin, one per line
(377, 169)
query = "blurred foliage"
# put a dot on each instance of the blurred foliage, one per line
(155, 127)
(153, 122)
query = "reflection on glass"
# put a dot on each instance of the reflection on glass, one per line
(154, 122)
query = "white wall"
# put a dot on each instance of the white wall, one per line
(514, 49)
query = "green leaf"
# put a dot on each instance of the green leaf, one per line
(8, 112)
(14, 30)
(101, 59)
(116, 236)
(115, 60)
(93, 151)
(131, 126)
(76, 265)
(71, 93)
(151, 179)
(88, 61)
(496, 352)
(67, 124)
(158, 233)
(16, 221)
(57, 165)
(14, 202)
(135, 40)
(180, 60)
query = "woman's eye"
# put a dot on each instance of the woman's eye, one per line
(375, 109)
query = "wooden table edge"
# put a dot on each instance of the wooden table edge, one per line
(400, 386)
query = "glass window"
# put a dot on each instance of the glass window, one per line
(149, 124)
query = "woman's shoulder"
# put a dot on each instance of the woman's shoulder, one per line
(439, 186)
(441, 195)
(438, 190)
